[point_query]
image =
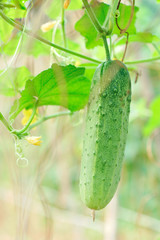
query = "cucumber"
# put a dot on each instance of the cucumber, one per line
(105, 134)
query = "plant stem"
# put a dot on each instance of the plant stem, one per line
(30, 33)
(19, 132)
(5, 122)
(63, 25)
(49, 117)
(106, 48)
(110, 45)
(93, 17)
(97, 26)
(143, 60)
(7, 5)
(109, 21)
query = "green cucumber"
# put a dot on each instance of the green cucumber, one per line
(105, 134)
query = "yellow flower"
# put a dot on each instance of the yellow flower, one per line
(26, 116)
(77, 63)
(34, 140)
(48, 26)
(66, 3)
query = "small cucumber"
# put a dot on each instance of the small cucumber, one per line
(105, 134)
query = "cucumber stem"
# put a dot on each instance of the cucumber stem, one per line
(109, 21)
(108, 58)
(98, 27)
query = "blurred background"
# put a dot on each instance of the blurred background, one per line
(42, 201)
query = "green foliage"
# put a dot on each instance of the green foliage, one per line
(12, 80)
(154, 121)
(59, 85)
(144, 37)
(90, 69)
(87, 30)
(5, 31)
(20, 3)
(34, 47)
(76, 4)
(15, 13)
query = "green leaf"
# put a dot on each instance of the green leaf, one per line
(90, 69)
(154, 121)
(76, 4)
(144, 37)
(59, 85)
(5, 30)
(15, 13)
(20, 3)
(13, 80)
(87, 29)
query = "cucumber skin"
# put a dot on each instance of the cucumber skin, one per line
(105, 134)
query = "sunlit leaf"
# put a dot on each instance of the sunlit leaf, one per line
(59, 85)
(15, 13)
(144, 37)
(76, 4)
(5, 31)
(88, 31)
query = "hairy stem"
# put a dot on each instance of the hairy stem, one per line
(28, 123)
(109, 21)
(30, 33)
(43, 119)
(97, 26)
(93, 17)
(143, 60)
(5, 122)
(106, 48)
(7, 5)
(63, 25)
